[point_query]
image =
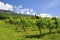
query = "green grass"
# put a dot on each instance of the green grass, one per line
(7, 32)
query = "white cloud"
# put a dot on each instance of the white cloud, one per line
(44, 15)
(7, 6)
(30, 11)
(27, 12)
(34, 13)
(20, 9)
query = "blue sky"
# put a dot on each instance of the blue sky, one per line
(51, 7)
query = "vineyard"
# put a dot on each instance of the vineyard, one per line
(29, 27)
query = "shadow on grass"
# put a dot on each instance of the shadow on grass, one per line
(39, 36)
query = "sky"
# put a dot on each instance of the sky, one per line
(32, 7)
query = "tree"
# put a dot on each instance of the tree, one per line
(49, 23)
(39, 24)
(56, 23)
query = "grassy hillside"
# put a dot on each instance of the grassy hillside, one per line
(26, 27)
(7, 32)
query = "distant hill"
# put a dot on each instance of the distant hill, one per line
(8, 12)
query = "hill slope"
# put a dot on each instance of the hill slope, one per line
(27, 27)
(7, 33)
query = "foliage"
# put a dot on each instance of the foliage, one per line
(25, 25)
